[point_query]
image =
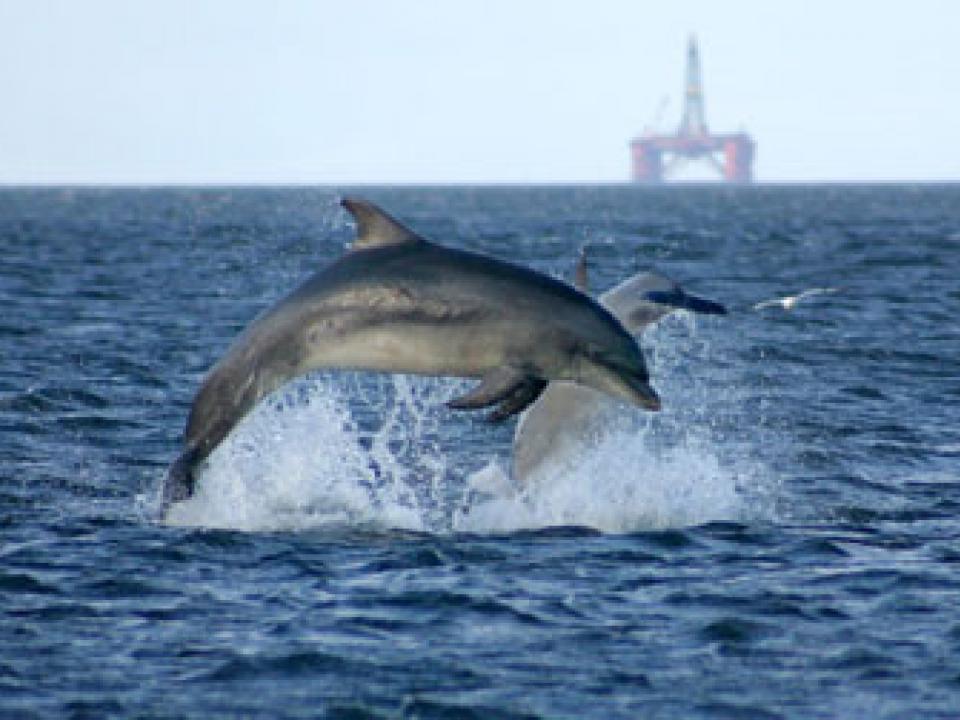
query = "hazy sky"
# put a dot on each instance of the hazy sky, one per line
(436, 91)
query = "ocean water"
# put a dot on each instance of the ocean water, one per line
(781, 541)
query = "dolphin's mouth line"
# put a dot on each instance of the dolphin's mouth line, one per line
(641, 392)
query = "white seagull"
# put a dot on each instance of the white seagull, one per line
(788, 302)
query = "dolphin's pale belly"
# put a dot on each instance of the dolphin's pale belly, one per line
(557, 426)
(417, 349)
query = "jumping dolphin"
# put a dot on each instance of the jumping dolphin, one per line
(560, 424)
(397, 302)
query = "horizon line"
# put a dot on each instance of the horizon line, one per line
(176, 184)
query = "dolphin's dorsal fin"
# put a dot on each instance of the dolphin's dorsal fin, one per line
(375, 228)
(580, 272)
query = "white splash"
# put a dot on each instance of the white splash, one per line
(621, 484)
(334, 451)
(294, 463)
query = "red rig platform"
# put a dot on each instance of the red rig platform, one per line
(656, 156)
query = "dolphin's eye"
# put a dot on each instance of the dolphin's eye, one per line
(595, 353)
(578, 348)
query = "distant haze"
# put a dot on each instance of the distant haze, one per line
(485, 91)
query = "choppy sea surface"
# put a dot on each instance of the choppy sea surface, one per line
(782, 540)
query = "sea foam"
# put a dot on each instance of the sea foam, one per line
(337, 450)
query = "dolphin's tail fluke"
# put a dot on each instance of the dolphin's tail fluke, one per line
(180, 481)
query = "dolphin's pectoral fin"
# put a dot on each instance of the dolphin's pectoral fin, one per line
(498, 384)
(520, 399)
(512, 388)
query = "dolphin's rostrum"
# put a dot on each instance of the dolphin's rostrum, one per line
(399, 303)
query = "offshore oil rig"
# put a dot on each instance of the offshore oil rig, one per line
(656, 156)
